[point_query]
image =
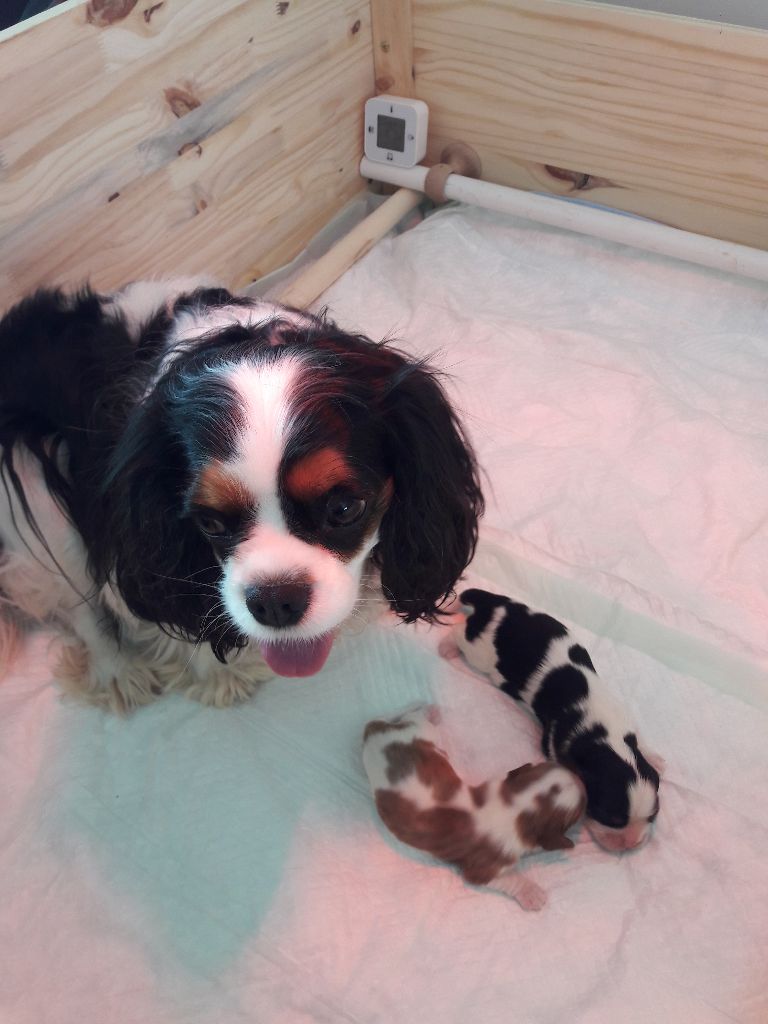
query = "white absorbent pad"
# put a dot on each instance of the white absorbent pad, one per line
(617, 401)
(195, 866)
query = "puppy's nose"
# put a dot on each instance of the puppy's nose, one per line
(278, 604)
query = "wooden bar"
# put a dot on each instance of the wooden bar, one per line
(310, 284)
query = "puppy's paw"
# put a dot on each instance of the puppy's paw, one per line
(528, 894)
(531, 896)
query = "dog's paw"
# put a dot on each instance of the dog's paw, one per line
(11, 639)
(224, 688)
(119, 686)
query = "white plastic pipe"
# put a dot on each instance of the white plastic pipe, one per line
(586, 220)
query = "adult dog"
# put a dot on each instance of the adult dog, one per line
(197, 487)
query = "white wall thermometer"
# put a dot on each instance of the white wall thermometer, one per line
(395, 130)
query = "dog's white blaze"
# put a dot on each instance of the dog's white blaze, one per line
(265, 390)
(270, 550)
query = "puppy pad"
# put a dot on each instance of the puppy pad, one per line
(195, 866)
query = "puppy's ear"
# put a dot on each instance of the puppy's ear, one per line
(429, 532)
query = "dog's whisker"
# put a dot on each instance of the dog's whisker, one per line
(206, 628)
(186, 579)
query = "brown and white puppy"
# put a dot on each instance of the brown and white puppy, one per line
(482, 830)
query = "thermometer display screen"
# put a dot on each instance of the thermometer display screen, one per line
(390, 133)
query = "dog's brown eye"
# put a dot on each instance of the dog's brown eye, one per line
(211, 525)
(343, 510)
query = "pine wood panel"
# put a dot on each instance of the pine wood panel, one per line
(662, 116)
(393, 46)
(184, 137)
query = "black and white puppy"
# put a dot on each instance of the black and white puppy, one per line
(194, 482)
(533, 658)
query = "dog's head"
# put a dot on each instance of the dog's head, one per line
(622, 790)
(269, 462)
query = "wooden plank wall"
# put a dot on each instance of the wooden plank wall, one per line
(140, 137)
(393, 46)
(662, 116)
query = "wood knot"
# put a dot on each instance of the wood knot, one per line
(115, 195)
(181, 101)
(106, 12)
(149, 11)
(355, 28)
(580, 180)
(189, 146)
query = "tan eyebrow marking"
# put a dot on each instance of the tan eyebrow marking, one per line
(218, 489)
(317, 473)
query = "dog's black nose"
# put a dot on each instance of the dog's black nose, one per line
(278, 604)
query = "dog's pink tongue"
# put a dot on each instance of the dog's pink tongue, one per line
(298, 657)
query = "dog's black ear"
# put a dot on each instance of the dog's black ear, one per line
(162, 567)
(429, 532)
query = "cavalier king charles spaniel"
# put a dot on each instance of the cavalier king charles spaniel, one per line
(198, 487)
